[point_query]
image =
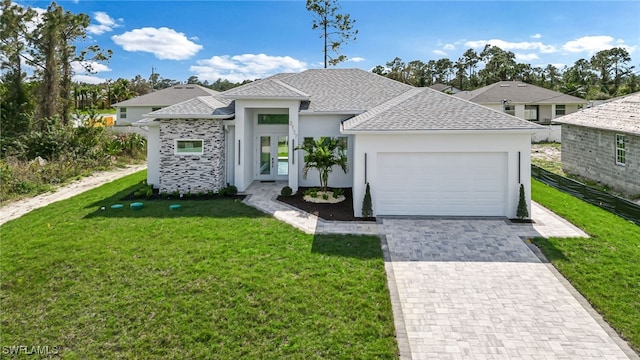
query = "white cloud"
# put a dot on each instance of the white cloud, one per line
(88, 79)
(356, 59)
(245, 67)
(507, 45)
(440, 52)
(593, 44)
(527, 57)
(449, 47)
(164, 43)
(105, 23)
(536, 36)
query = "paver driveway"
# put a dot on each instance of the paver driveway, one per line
(472, 289)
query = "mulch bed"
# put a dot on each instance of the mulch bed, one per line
(342, 211)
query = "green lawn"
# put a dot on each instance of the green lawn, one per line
(604, 268)
(216, 279)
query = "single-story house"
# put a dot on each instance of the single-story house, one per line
(131, 110)
(602, 143)
(422, 152)
(529, 102)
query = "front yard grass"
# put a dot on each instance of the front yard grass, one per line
(215, 279)
(604, 268)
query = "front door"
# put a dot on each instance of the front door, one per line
(273, 157)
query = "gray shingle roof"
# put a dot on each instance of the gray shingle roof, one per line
(329, 90)
(267, 88)
(200, 107)
(519, 93)
(427, 109)
(619, 115)
(168, 96)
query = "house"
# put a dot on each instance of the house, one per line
(529, 102)
(445, 88)
(130, 111)
(602, 143)
(423, 152)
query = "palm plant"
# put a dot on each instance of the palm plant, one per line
(323, 154)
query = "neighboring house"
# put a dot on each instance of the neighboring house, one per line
(445, 88)
(529, 102)
(422, 151)
(602, 143)
(130, 111)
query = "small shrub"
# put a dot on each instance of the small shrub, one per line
(231, 190)
(210, 193)
(314, 193)
(522, 212)
(367, 206)
(337, 193)
(164, 195)
(222, 192)
(176, 193)
(325, 196)
(149, 193)
(286, 191)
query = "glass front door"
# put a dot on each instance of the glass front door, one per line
(273, 160)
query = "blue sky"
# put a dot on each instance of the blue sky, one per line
(239, 40)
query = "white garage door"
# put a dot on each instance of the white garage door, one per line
(460, 184)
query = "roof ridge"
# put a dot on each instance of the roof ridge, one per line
(279, 82)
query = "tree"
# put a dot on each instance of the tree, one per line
(612, 64)
(522, 212)
(367, 205)
(323, 154)
(335, 28)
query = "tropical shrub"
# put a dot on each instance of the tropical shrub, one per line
(323, 154)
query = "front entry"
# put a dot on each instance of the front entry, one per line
(272, 157)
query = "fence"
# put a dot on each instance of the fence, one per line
(614, 204)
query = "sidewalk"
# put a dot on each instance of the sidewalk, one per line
(16, 209)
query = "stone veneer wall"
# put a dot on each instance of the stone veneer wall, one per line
(590, 153)
(195, 173)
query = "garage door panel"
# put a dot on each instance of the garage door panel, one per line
(441, 184)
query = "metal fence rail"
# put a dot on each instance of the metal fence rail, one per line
(614, 204)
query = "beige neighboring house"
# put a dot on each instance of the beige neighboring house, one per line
(130, 111)
(529, 102)
(602, 143)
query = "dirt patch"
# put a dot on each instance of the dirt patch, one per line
(342, 211)
(546, 152)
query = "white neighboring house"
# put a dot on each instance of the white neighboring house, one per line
(423, 152)
(131, 110)
(529, 102)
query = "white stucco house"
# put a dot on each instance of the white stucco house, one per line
(132, 110)
(529, 102)
(422, 152)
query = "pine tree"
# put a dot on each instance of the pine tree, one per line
(522, 212)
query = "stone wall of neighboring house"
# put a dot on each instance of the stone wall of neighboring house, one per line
(195, 173)
(591, 153)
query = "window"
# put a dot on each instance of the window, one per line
(189, 147)
(123, 113)
(273, 119)
(531, 112)
(344, 142)
(510, 109)
(560, 110)
(621, 150)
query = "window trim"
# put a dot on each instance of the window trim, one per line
(123, 113)
(564, 109)
(531, 107)
(260, 116)
(176, 152)
(621, 151)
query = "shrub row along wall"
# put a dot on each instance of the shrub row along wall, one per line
(614, 204)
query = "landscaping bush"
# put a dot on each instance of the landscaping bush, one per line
(367, 206)
(286, 191)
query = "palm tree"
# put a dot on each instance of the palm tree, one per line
(322, 155)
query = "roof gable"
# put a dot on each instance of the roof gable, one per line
(199, 107)
(424, 109)
(618, 115)
(169, 96)
(267, 88)
(517, 92)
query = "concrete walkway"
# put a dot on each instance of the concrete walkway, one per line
(18, 208)
(473, 288)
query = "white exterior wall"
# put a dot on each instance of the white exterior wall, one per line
(510, 143)
(317, 126)
(134, 113)
(245, 132)
(551, 133)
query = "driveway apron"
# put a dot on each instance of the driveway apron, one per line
(473, 289)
